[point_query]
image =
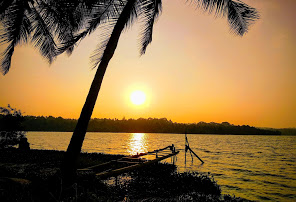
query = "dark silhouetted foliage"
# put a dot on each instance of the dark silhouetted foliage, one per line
(11, 130)
(40, 181)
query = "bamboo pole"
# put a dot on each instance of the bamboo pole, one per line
(187, 147)
(195, 154)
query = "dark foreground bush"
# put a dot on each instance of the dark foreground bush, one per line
(35, 176)
(162, 180)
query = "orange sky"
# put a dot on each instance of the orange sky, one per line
(195, 70)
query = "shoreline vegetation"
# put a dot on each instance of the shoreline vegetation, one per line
(34, 175)
(141, 125)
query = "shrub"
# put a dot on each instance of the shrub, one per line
(11, 127)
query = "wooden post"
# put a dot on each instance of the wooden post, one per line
(195, 154)
(187, 147)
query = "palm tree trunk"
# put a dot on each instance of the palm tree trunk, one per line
(74, 148)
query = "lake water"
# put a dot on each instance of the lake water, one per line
(252, 167)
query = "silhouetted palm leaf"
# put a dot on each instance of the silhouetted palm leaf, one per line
(212, 5)
(241, 16)
(149, 11)
(4, 4)
(58, 21)
(107, 29)
(42, 35)
(95, 13)
(16, 28)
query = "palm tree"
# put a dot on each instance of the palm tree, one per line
(48, 24)
(45, 19)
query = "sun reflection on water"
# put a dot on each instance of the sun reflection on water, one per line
(138, 143)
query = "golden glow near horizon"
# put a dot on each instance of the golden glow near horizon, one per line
(138, 97)
(194, 70)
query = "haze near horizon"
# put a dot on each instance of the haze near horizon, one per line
(194, 70)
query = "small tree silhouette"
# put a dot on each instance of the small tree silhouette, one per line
(11, 127)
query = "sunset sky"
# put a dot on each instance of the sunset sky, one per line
(194, 70)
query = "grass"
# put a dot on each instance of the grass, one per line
(35, 176)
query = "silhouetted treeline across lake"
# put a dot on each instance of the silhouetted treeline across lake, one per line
(150, 125)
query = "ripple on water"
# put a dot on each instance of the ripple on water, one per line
(246, 180)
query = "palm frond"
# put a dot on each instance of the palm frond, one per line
(124, 13)
(4, 4)
(108, 28)
(16, 29)
(98, 14)
(95, 13)
(132, 17)
(62, 19)
(6, 59)
(217, 6)
(240, 17)
(149, 11)
(42, 37)
(104, 37)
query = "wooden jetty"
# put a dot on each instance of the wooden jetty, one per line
(129, 163)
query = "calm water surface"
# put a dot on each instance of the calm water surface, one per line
(252, 167)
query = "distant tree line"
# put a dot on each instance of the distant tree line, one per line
(150, 125)
(287, 131)
(48, 123)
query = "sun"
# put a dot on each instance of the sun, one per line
(138, 97)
